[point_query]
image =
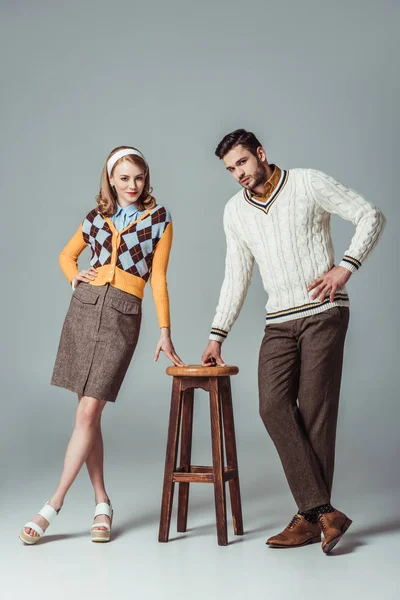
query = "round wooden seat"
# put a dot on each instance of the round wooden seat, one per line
(200, 371)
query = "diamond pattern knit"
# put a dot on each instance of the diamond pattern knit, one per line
(97, 234)
(138, 241)
(127, 258)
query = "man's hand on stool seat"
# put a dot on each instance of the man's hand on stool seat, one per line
(212, 355)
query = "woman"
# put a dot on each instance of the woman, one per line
(130, 237)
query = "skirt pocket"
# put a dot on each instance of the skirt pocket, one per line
(124, 306)
(84, 294)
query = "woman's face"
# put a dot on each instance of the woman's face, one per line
(128, 180)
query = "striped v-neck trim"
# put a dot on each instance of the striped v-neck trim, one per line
(265, 204)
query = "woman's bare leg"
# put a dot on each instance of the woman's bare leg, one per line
(95, 467)
(86, 429)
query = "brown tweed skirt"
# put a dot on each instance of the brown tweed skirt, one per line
(98, 339)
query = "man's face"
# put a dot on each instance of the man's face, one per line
(247, 169)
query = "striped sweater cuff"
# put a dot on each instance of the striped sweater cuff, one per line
(350, 263)
(218, 335)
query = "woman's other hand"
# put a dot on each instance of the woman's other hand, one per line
(165, 345)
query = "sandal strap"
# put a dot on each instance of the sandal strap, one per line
(96, 525)
(35, 527)
(48, 512)
(103, 509)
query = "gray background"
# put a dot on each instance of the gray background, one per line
(317, 81)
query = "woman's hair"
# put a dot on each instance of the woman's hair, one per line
(107, 198)
(240, 136)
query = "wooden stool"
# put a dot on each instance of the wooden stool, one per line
(216, 381)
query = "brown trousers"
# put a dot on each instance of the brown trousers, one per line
(300, 370)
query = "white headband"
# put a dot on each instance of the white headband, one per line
(124, 152)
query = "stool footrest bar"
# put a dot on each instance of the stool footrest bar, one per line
(201, 474)
(193, 477)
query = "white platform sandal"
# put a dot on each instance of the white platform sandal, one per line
(48, 512)
(99, 535)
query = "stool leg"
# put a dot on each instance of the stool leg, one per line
(231, 454)
(218, 463)
(186, 454)
(170, 460)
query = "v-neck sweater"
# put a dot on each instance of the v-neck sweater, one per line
(287, 233)
(126, 259)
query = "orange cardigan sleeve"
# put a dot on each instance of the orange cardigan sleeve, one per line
(158, 279)
(68, 258)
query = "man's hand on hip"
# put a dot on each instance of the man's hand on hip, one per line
(212, 355)
(328, 284)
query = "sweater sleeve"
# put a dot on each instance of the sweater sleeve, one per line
(68, 258)
(158, 279)
(335, 198)
(238, 272)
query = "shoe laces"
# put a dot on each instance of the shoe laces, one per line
(322, 522)
(293, 522)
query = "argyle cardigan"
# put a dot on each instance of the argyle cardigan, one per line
(126, 259)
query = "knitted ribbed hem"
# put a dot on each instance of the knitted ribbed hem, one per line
(307, 310)
(218, 335)
(350, 263)
(120, 279)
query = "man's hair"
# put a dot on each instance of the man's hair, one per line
(240, 136)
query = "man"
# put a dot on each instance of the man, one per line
(281, 219)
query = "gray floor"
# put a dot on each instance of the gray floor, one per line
(192, 565)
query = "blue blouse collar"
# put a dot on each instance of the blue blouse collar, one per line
(129, 210)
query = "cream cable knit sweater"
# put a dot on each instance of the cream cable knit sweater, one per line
(291, 243)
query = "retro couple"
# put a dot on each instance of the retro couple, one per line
(279, 219)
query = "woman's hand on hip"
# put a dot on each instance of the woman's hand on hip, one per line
(85, 275)
(165, 345)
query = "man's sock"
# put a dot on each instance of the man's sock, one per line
(312, 515)
(309, 516)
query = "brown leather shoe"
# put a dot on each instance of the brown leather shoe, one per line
(333, 526)
(299, 532)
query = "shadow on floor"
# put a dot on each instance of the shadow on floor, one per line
(350, 543)
(62, 536)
